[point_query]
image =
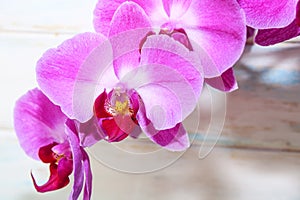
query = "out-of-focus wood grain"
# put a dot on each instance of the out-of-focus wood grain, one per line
(227, 174)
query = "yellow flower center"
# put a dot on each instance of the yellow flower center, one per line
(122, 107)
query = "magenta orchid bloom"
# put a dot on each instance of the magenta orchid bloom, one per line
(214, 29)
(46, 134)
(272, 36)
(152, 85)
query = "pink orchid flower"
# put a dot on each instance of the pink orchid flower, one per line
(214, 29)
(122, 86)
(272, 36)
(46, 134)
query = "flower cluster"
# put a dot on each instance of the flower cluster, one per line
(141, 71)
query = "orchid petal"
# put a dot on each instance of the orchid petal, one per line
(58, 176)
(105, 10)
(176, 8)
(217, 32)
(167, 95)
(155, 10)
(46, 154)
(91, 80)
(273, 36)
(89, 132)
(99, 110)
(103, 14)
(174, 139)
(88, 176)
(129, 26)
(77, 159)
(164, 50)
(298, 14)
(58, 68)
(268, 13)
(114, 129)
(226, 82)
(38, 122)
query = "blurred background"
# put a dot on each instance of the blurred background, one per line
(257, 156)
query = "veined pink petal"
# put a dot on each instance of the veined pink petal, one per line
(105, 10)
(226, 82)
(276, 35)
(103, 14)
(129, 26)
(269, 13)
(95, 74)
(217, 32)
(58, 68)
(173, 139)
(163, 50)
(128, 16)
(168, 97)
(38, 122)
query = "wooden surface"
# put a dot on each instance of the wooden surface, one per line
(257, 156)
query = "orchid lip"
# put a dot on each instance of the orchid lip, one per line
(116, 114)
(61, 166)
(118, 103)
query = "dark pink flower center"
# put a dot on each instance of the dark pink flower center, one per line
(61, 166)
(116, 113)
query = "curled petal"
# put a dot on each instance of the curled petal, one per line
(269, 13)
(226, 82)
(57, 69)
(276, 35)
(38, 122)
(59, 176)
(174, 139)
